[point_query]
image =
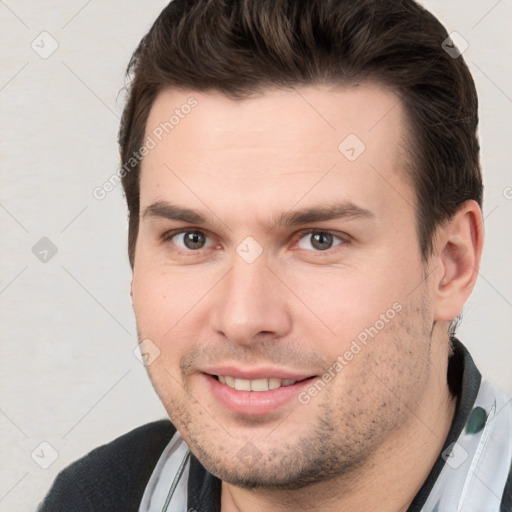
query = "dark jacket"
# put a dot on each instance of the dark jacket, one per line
(112, 477)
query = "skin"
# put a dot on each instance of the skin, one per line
(369, 438)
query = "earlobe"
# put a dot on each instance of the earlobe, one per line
(459, 249)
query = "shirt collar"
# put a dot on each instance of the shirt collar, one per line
(464, 382)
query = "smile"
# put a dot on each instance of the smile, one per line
(255, 384)
(256, 396)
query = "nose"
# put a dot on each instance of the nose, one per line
(250, 304)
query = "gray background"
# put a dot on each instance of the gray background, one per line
(68, 374)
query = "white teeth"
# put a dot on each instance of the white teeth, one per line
(274, 383)
(255, 384)
(259, 385)
(242, 385)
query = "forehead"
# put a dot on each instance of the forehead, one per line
(306, 143)
(315, 115)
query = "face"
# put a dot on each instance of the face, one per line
(278, 273)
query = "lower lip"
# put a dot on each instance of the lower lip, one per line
(254, 403)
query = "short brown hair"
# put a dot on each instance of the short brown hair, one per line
(242, 47)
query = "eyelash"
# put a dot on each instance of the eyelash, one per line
(169, 235)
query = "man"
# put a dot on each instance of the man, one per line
(305, 196)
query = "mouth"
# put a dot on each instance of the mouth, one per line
(258, 385)
(256, 396)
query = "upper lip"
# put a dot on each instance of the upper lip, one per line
(256, 373)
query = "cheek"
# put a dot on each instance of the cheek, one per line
(169, 309)
(155, 312)
(339, 303)
(161, 297)
(151, 302)
(161, 315)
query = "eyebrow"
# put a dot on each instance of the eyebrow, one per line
(165, 210)
(339, 210)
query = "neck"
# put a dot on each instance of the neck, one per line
(387, 482)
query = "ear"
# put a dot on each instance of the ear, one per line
(458, 251)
